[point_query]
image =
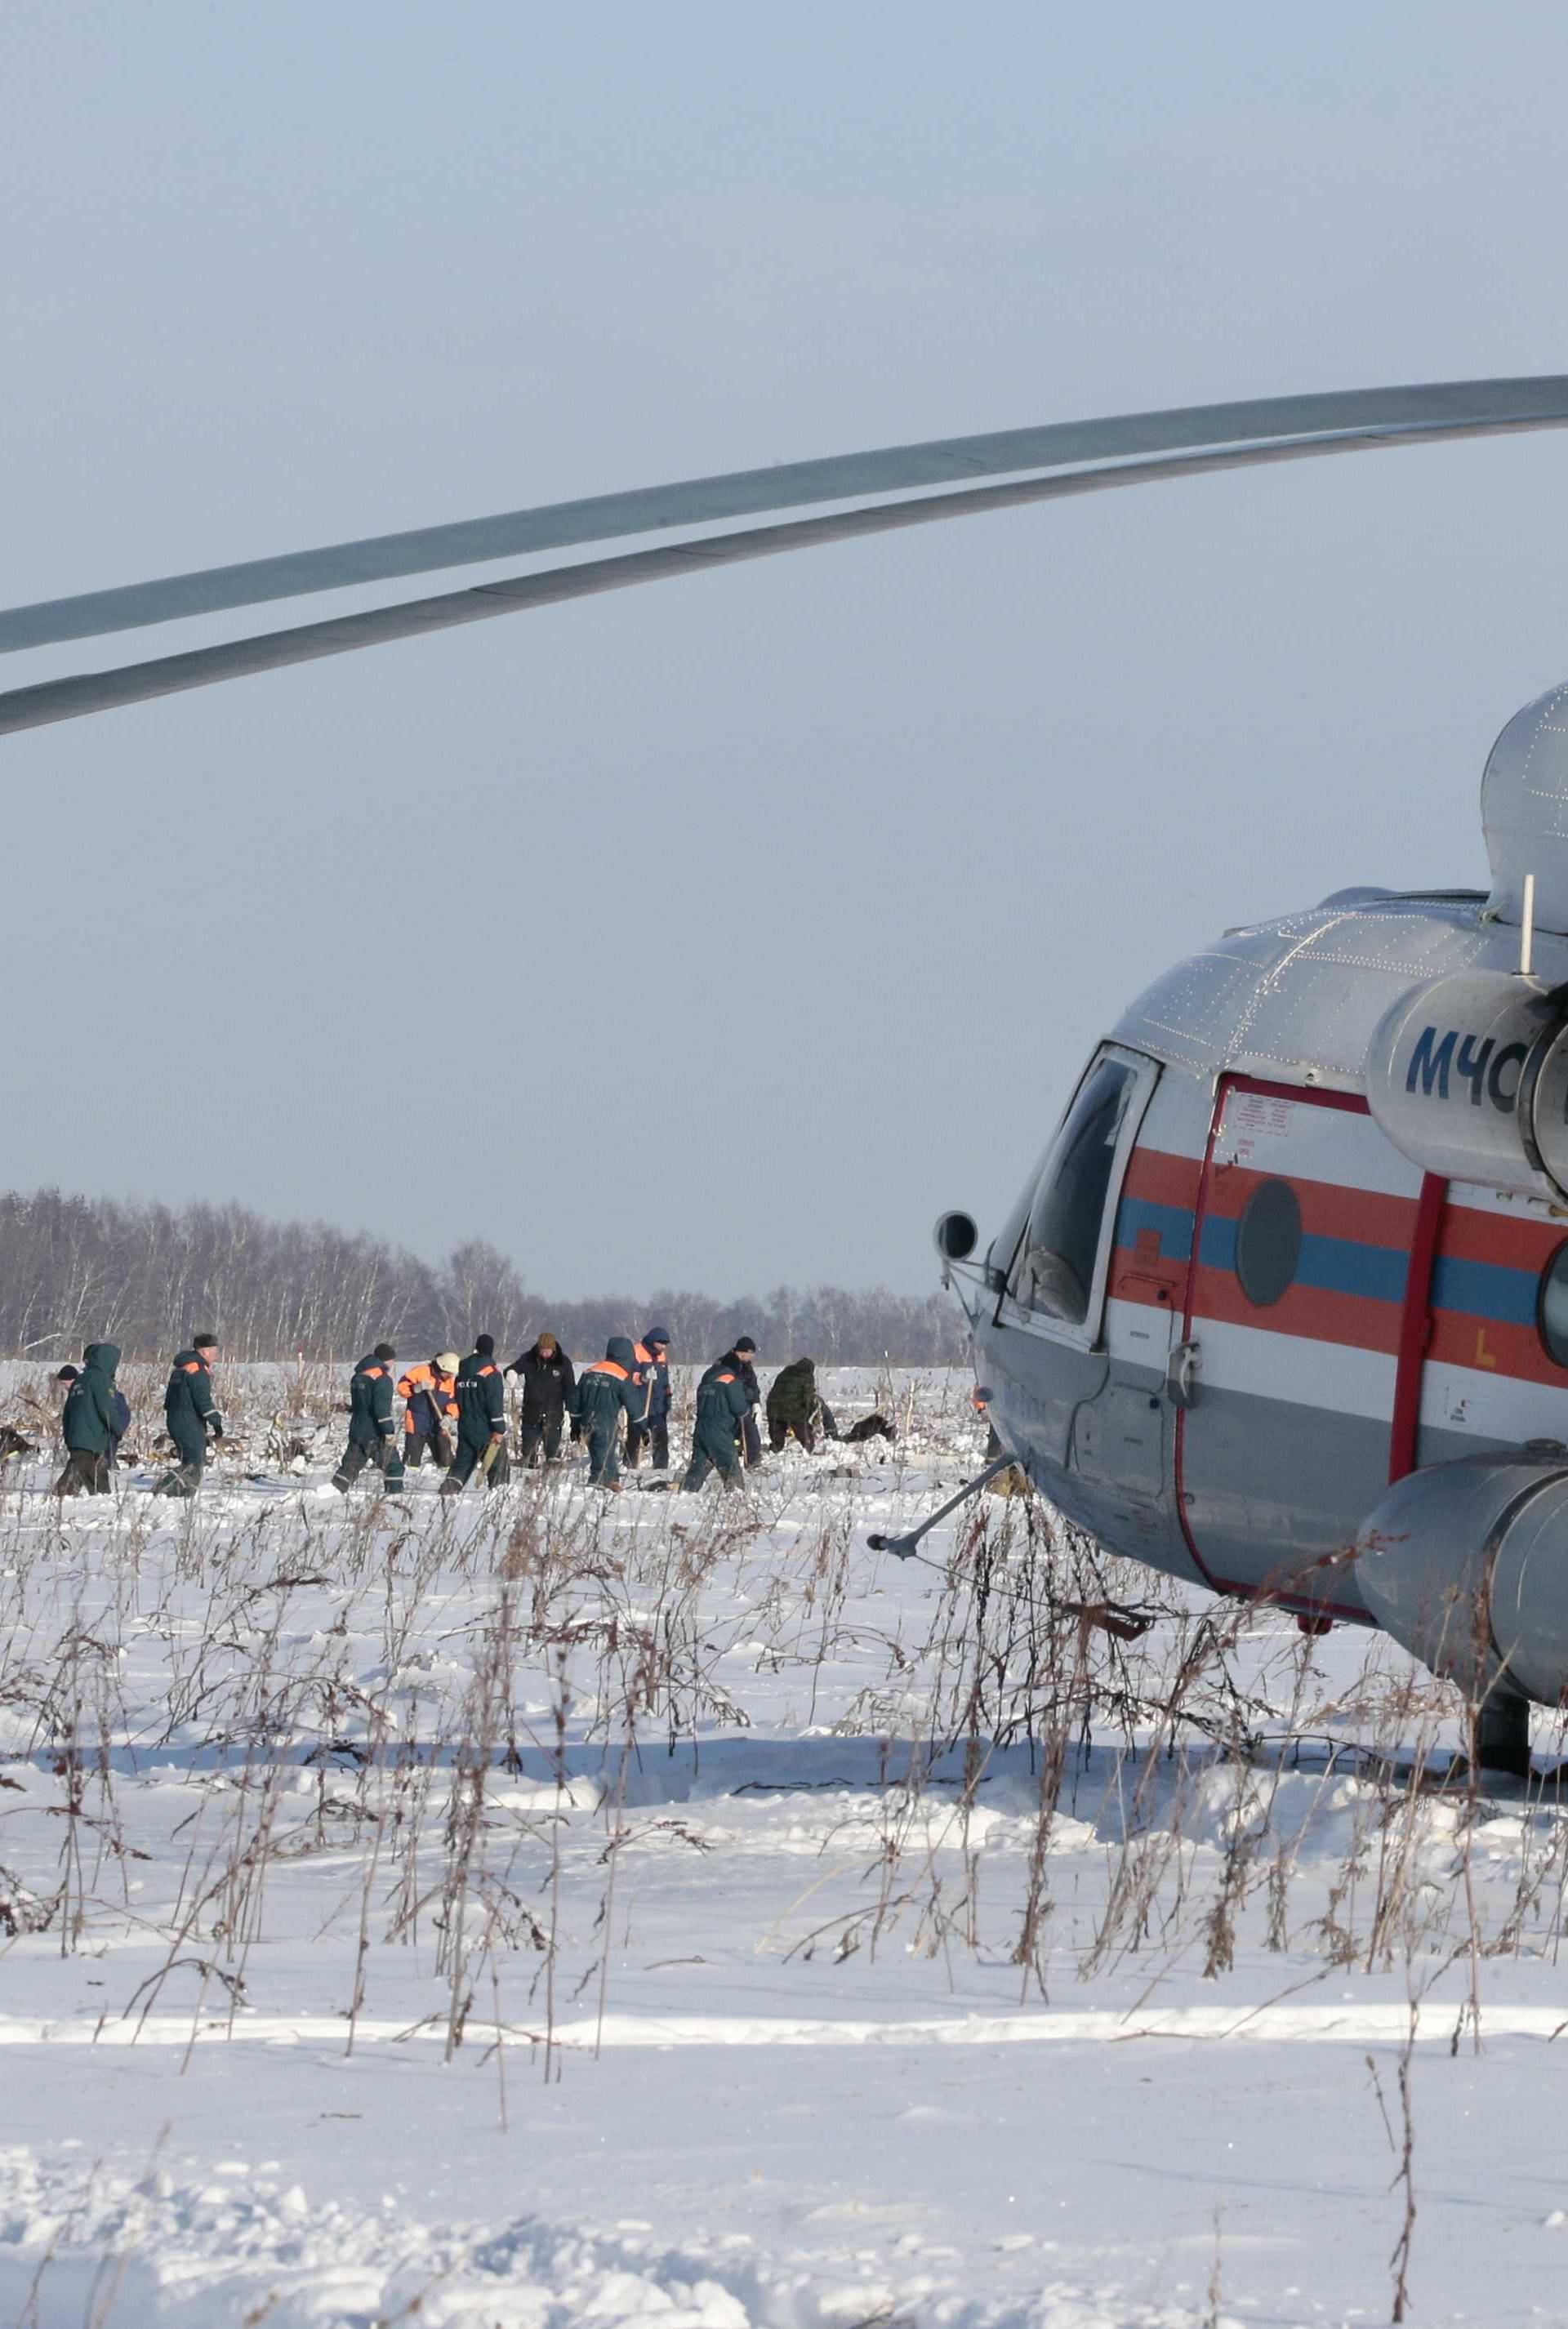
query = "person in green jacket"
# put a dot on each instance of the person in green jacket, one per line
(793, 1406)
(90, 1424)
(372, 1430)
(612, 1387)
(723, 1402)
(190, 1416)
(481, 1421)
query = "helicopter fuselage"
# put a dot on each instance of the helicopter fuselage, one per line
(1227, 1311)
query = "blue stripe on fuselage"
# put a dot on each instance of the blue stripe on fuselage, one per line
(1328, 1265)
(1486, 1289)
(1476, 1289)
(1173, 1224)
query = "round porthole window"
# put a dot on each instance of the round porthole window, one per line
(1551, 1308)
(1269, 1246)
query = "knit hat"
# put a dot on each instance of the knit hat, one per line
(546, 1342)
(485, 1346)
(743, 1342)
(656, 1334)
(383, 1351)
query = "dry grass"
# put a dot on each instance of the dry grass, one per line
(366, 1691)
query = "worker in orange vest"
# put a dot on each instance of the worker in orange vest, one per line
(723, 1407)
(372, 1432)
(481, 1421)
(612, 1387)
(653, 1364)
(431, 1395)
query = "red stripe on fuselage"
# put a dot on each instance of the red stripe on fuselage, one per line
(1492, 1346)
(1503, 1238)
(1328, 1209)
(1161, 1179)
(1310, 1314)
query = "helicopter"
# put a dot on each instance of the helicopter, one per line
(1282, 1311)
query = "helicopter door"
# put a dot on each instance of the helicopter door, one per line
(1050, 1263)
(1286, 1373)
(1059, 1241)
(1121, 1437)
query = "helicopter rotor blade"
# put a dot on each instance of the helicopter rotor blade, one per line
(1435, 408)
(101, 691)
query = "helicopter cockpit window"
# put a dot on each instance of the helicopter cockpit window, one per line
(1552, 1310)
(1053, 1273)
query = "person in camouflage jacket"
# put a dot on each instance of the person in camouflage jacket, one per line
(793, 1407)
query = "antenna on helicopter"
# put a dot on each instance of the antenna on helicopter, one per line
(1528, 927)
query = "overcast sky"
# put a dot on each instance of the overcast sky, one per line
(721, 932)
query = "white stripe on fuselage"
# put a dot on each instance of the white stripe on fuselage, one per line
(1332, 1377)
(1491, 1406)
(1337, 1380)
(1302, 1140)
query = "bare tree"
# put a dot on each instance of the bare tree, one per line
(75, 1269)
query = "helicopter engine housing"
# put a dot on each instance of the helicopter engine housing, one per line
(1468, 1075)
(1462, 1563)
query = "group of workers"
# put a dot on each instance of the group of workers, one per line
(97, 1416)
(454, 1412)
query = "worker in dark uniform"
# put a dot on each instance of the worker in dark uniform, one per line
(794, 1408)
(548, 1382)
(66, 1377)
(612, 1387)
(481, 1421)
(723, 1407)
(88, 1424)
(117, 1401)
(431, 1393)
(190, 1416)
(372, 1427)
(739, 1360)
(653, 1364)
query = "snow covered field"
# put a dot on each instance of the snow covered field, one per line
(548, 1909)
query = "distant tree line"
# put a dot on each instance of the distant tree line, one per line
(74, 1269)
